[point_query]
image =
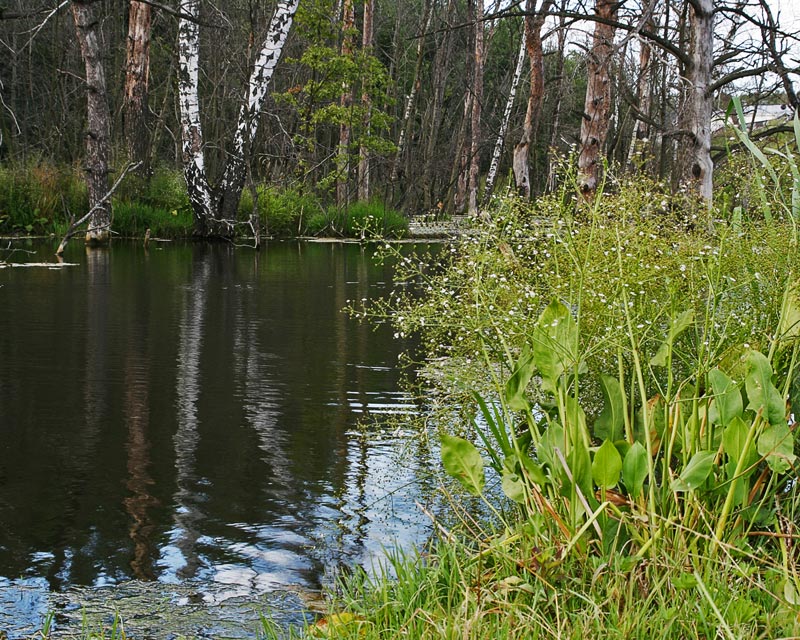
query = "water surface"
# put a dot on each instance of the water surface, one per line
(198, 415)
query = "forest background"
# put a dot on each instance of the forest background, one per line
(369, 107)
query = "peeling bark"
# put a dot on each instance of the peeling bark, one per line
(696, 169)
(597, 107)
(216, 217)
(98, 119)
(534, 21)
(271, 49)
(137, 71)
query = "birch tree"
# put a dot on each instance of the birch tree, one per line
(215, 213)
(501, 134)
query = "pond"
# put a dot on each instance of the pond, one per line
(197, 426)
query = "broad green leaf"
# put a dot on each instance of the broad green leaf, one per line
(776, 444)
(576, 419)
(552, 437)
(727, 403)
(463, 462)
(606, 466)
(610, 424)
(676, 327)
(580, 465)
(555, 344)
(518, 382)
(763, 395)
(696, 472)
(534, 471)
(512, 486)
(634, 469)
(790, 314)
(733, 441)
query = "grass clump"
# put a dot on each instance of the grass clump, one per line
(362, 220)
(37, 199)
(284, 212)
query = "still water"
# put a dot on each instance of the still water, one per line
(198, 419)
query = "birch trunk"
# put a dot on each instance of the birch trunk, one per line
(194, 170)
(533, 43)
(216, 217)
(98, 119)
(501, 134)
(366, 103)
(137, 71)
(597, 107)
(477, 103)
(694, 156)
(343, 154)
(235, 173)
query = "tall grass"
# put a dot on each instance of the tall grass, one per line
(627, 382)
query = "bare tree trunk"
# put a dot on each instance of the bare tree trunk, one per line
(366, 103)
(597, 107)
(696, 170)
(343, 155)
(439, 81)
(460, 173)
(98, 118)
(534, 21)
(412, 96)
(501, 134)
(561, 53)
(477, 103)
(137, 71)
(639, 125)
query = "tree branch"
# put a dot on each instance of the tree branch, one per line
(73, 228)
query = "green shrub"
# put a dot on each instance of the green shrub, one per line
(283, 212)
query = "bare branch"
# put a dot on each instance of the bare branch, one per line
(73, 228)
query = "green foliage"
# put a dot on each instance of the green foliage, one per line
(331, 73)
(159, 203)
(363, 220)
(37, 199)
(284, 212)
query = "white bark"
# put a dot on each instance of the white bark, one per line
(189, 105)
(501, 134)
(247, 126)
